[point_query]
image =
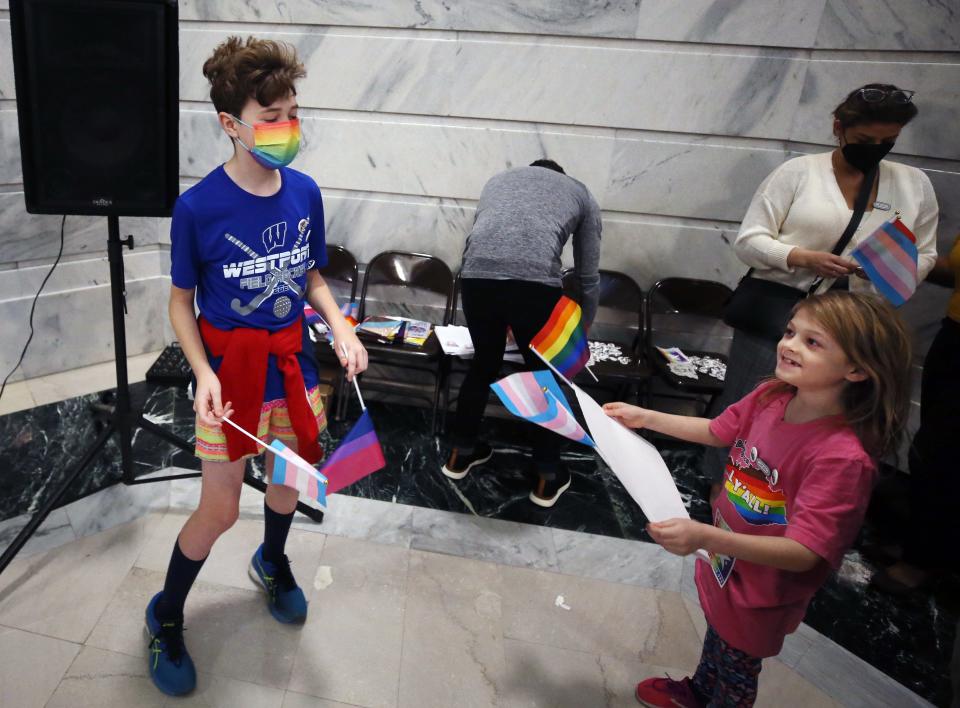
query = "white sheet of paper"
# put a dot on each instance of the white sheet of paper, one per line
(636, 463)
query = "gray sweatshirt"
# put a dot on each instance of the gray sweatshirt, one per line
(523, 220)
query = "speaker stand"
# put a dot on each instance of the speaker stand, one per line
(120, 418)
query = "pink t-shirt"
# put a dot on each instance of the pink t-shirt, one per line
(810, 482)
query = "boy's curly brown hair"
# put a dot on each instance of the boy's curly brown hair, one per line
(256, 68)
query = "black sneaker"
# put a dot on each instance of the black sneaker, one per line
(459, 464)
(549, 487)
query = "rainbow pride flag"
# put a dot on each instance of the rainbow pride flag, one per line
(291, 470)
(535, 396)
(562, 341)
(358, 455)
(889, 258)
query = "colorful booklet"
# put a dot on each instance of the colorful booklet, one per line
(381, 329)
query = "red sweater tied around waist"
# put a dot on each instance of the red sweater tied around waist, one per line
(243, 379)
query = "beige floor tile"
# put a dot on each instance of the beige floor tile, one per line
(781, 687)
(696, 615)
(677, 641)
(301, 700)
(16, 397)
(61, 593)
(538, 676)
(105, 679)
(31, 666)
(229, 559)
(604, 617)
(229, 631)
(350, 648)
(453, 639)
(621, 676)
(87, 379)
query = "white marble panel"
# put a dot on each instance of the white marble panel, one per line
(76, 273)
(599, 18)
(482, 538)
(737, 92)
(115, 505)
(75, 328)
(413, 155)
(617, 560)
(10, 172)
(771, 23)
(55, 531)
(26, 237)
(923, 25)
(7, 89)
(650, 248)
(935, 77)
(367, 224)
(702, 177)
(840, 673)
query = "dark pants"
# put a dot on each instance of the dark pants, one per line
(933, 526)
(726, 677)
(490, 307)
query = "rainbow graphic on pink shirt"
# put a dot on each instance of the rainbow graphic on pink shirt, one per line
(753, 499)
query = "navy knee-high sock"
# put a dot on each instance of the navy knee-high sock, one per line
(181, 573)
(276, 526)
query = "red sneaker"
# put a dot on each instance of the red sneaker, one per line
(667, 693)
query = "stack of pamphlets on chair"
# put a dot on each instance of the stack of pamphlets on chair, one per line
(389, 330)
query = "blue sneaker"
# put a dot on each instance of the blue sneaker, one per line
(285, 599)
(171, 667)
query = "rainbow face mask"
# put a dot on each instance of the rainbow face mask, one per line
(274, 144)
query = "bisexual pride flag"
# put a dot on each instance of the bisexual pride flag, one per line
(358, 455)
(562, 342)
(291, 470)
(535, 396)
(889, 258)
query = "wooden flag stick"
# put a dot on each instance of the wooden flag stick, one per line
(590, 371)
(552, 367)
(252, 437)
(343, 348)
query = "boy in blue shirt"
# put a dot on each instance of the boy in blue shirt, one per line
(247, 241)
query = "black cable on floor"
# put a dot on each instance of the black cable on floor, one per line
(34, 307)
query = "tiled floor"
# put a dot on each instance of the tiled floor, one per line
(390, 624)
(21, 395)
(411, 606)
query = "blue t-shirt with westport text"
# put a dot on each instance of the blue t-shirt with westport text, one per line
(248, 256)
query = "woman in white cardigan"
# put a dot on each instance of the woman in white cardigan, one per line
(801, 209)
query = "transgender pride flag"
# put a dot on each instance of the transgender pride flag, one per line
(535, 396)
(889, 258)
(291, 470)
(359, 454)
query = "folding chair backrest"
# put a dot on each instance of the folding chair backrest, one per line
(703, 299)
(341, 273)
(620, 308)
(413, 281)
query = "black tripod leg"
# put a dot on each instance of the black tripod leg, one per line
(165, 434)
(27, 531)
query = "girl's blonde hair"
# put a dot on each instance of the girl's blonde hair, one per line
(875, 340)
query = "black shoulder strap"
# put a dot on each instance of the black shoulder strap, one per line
(859, 206)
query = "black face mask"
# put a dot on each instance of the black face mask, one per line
(865, 157)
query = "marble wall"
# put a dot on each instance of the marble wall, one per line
(671, 113)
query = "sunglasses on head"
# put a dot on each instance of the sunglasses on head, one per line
(879, 95)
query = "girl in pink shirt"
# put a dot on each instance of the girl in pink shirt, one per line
(803, 450)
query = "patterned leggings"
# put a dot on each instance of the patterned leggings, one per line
(726, 677)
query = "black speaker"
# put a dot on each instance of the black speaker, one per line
(97, 104)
